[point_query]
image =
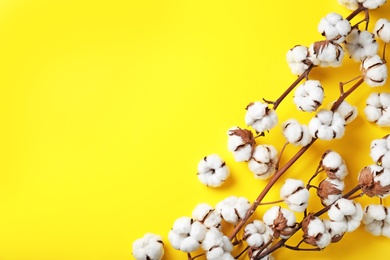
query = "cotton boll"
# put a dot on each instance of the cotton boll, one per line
(298, 59)
(347, 111)
(326, 53)
(260, 117)
(377, 108)
(330, 190)
(212, 171)
(334, 165)
(213, 238)
(327, 125)
(233, 209)
(382, 29)
(374, 70)
(295, 195)
(380, 151)
(207, 215)
(295, 133)
(374, 180)
(334, 27)
(309, 96)
(372, 4)
(150, 246)
(241, 143)
(280, 220)
(315, 232)
(349, 4)
(361, 44)
(336, 229)
(263, 161)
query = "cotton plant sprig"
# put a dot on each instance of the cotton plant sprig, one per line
(203, 233)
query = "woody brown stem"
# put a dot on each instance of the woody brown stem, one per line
(293, 85)
(241, 253)
(355, 12)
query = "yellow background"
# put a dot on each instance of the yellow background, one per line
(106, 107)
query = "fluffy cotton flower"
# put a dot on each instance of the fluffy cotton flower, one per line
(347, 111)
(207, 215)
(350, 4)
(315, 232)
(374, 71)
(186, 234)
(372, 4)
(260, 117)
(296, 133)
(263, 161)
(298, 59)
(212, 171)
(376, 220)
(334, 27)
(380, 151)
(233, 209)
(346, 210)
(326, 53)
(217, 245)
(257, 234)
(241, 143)
(374, 180)
(334, 165)
(382, 29)
(336, 229)
(377, 108)
(361, 44)
(295, 195)
(150, 246)
(330, 190)
(280, 220)
(327, 125)
(309, 96)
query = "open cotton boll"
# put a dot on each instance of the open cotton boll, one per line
(326, 54)
(330, 190)
(334, 27)
(257, 233)
(334, 165)
(295, 195)
(376, 220)
(361, 44)
(380, 151)
(295, 133)
(260, 117)
(347, 111)
(298, 59)
(336, 229)
(327, 125)
(207, 215)
(213, 238)
(349, 4)
(374, 71)
(374, 180)
(150, 246)
(377, 108)
(372, 4)
(346, 210)
(382, 29)
(280, 220)
(212, 171)
(314, 232)
(263, 161)
(241, 143)
(309, 96)
(233, 209)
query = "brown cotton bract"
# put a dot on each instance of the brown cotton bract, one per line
(370, 187)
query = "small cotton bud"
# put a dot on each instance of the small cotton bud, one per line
(382, 29)
(347, 111)
(263, 161)
(315, 232)
(334, 165)
(374, 70)
(327, 125)
(150, 246)
(346, 210)
(334, 27)
(207, 215)
(376, 220)
(336, 229)
(281, 221)
(330, 190)
(260, 117)
(309, 96)
(212, 171)
(233, 209)
(374, 180)
(241, 143)
(326, 53)
(380, 151)
(298, 59)
(361, 44)
(257, 233)
(295, 133)
(295, 195)
(349, 4)
(377, 109)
